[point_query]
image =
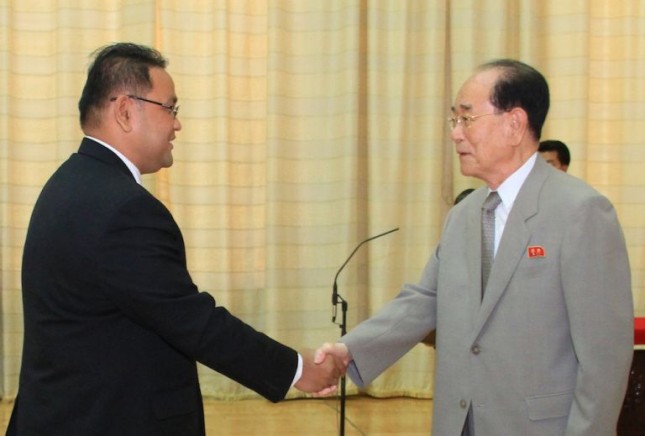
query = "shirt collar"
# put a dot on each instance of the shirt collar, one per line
(509, 189)
(132, 167)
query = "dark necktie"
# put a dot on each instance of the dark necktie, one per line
(488, 235)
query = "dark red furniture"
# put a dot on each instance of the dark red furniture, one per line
(632, 417)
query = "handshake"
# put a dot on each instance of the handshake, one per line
(322, 368)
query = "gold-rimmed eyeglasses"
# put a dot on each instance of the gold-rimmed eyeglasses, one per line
(171, 109)
(465, 120)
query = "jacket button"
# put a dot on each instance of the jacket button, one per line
(475, 349)
(463, 404)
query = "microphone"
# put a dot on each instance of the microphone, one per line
(335, 298)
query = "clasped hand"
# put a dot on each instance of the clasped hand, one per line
(322, 368)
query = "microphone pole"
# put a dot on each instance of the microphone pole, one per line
(336, 299)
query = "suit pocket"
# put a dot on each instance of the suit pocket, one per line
(549, 406)
(177, 402)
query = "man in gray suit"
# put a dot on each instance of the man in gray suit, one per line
(545, 345)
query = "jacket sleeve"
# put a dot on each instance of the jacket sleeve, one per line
(143, 271)
(380, 341)
(597, 291)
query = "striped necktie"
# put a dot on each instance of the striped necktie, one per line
(488, 235)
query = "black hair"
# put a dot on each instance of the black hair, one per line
(120, 67)
(520, 85)
(559, 147)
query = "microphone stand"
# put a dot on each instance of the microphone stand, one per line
(336, 299)
(343, 330)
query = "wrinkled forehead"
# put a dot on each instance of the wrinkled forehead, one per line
(475, 93)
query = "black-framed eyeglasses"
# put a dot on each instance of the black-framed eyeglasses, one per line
(466, 120)
(171, 109)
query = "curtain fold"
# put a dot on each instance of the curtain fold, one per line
(309, 127)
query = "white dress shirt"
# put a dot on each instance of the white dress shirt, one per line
(508, 191)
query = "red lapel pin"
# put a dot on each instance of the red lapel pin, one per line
(535, 251)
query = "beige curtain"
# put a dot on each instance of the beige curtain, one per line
(309, 126)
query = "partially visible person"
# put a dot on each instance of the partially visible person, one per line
(113, 323)
(543, 345)
(463, 194)
(556, 153)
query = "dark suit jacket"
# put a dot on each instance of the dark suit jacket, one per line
(113, 322)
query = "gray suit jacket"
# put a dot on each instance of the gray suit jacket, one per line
(548, 350)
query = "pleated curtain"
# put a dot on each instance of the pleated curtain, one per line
(309, 126)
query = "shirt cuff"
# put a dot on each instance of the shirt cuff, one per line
(298, 371)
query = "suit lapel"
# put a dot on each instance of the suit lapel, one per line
(514, 242)
(473, 251)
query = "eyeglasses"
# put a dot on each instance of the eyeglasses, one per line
(465, 120)
(171, 109)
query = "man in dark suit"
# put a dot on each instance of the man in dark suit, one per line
(114, 325)
(543, 344)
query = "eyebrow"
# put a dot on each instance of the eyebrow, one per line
(464, 107)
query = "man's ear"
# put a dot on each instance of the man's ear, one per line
(518, 125)
(122, 112)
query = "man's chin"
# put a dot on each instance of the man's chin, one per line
(167, 163)
(467, 170)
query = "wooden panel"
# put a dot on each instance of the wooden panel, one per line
(364, 416)
(632, 417)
